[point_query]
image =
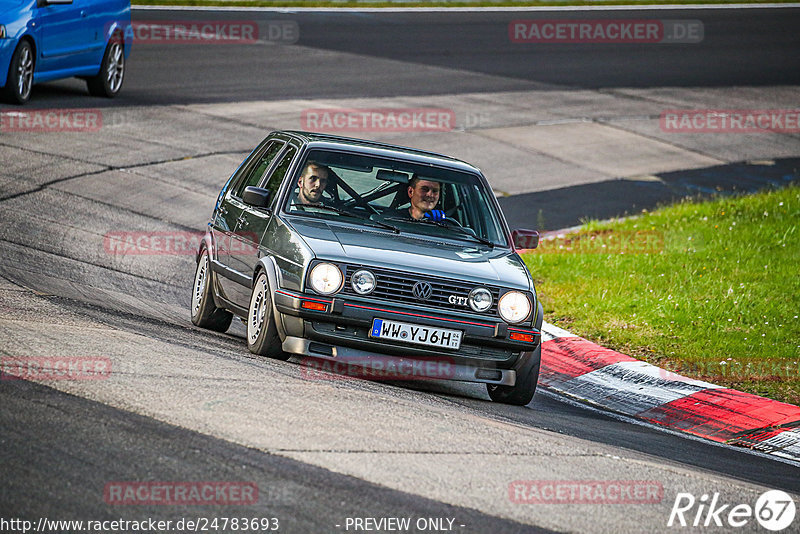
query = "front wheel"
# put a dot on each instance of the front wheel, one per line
(521, 393)
(262, 334)
(108, 81)
(204, 313)
(20, 75)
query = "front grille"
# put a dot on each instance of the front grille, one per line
(397, 287)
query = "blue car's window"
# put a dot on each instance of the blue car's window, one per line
(354, 187)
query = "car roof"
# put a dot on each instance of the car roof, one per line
(321, 140)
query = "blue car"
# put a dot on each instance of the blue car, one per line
(43, 40)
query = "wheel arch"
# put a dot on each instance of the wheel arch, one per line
(117, 28)
(207, 243)
(268, 266)
(29, 38)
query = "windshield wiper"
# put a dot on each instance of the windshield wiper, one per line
(344, 212)
(458, 229)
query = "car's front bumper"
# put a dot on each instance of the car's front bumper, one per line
(339, 331)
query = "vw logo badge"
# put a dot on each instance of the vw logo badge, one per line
(422, 290)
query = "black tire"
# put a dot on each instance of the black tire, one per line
(262, 334)
(521, 393)
(19, 82)
(108, 81)
(204, 313)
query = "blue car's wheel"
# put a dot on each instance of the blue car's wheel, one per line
(20, 75)
(108, 81)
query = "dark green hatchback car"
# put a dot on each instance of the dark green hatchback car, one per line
(368, 255)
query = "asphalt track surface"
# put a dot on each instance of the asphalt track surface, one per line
(751, 47)
(58, 449)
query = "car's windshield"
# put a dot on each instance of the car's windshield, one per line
(405, 195)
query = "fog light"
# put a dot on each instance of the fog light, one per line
(480, 299)
(363, 282)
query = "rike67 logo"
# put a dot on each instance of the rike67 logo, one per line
(774, 510)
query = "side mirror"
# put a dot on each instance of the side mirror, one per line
(256, 196)
(525, 239)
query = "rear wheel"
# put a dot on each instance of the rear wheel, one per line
(204, 313)
(20, 75)
(108, 81)
(521, 393)
(262, 334)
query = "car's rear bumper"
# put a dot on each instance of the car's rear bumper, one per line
(339, 331)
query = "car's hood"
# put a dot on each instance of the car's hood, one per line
(412, 252)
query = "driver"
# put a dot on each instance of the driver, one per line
(312, 183)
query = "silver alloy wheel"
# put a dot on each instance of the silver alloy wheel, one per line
(199, 284)
(25, 73)
(116, 67)
(258, 308)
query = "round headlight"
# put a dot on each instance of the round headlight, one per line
(514, 307)
(363, 282)
(480, 299)
(325, 278)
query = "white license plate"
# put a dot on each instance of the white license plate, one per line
(412, 333)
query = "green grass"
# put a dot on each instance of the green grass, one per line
(709, 289)
(434, 3)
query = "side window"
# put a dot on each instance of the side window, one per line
(260, 166)
(279, 173)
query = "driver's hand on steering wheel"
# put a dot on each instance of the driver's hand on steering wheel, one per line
(435, 215)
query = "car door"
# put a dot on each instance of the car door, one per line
(66, 35)
(253, 222)
(230, 208)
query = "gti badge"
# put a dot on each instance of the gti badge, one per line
(455, 299)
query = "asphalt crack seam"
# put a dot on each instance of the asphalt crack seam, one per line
(106, 167)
